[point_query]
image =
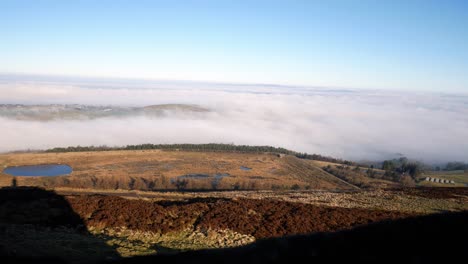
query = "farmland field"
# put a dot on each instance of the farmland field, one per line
(460, 177)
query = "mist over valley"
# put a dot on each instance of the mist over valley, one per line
(351, 124)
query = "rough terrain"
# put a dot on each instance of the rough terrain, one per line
(40, 223)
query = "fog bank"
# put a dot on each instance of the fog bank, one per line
(350, 124)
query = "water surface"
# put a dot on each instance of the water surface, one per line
(39, 170)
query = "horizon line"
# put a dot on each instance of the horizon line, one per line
(212, 82)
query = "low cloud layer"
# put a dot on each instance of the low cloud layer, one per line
(354, 124)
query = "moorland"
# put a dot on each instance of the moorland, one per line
(118, 204)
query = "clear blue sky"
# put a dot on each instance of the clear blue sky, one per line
(410, 45)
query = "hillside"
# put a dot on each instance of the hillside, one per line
(314, 175)
(162, 170)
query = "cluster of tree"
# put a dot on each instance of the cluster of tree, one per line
(402, 170)
(186, 147)
(206, 147)
(324, 158)
(415, 168)
(455, 165)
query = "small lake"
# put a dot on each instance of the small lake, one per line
(39, 170)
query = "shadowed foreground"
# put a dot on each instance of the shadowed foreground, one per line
(439, 238)
(40, 226)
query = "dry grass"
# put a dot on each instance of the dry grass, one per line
(155, 169)
(322, 164)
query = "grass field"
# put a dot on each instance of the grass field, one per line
(460, 178)
(158, 170)
(322, 164)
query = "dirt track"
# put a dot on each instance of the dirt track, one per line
(260, 218)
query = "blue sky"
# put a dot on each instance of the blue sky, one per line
(403, 45)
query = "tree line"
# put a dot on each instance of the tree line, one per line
(454, 165)
(211, 147)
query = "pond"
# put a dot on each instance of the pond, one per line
(39, 170)
(245, 168)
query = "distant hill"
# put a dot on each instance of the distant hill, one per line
(175, 107)
(83, 112)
